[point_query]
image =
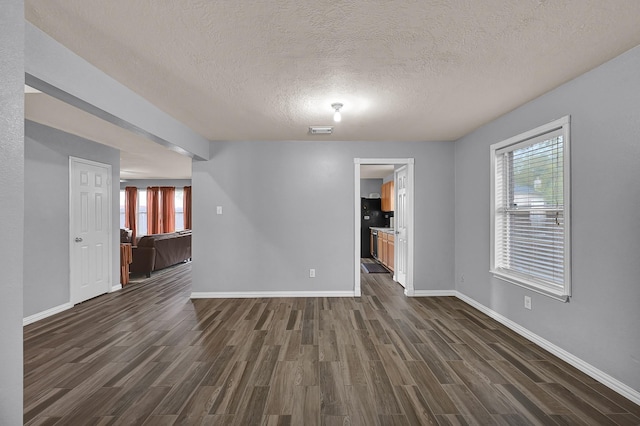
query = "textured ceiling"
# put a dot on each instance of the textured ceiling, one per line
(404, 70)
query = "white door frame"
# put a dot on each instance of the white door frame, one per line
(72, 291)
(409, 162)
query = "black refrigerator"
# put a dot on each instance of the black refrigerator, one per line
(370, 216)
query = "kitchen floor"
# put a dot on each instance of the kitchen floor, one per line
(369, 260)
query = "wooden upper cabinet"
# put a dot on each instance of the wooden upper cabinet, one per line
(383, 203)
(388, 196)
(384, 197)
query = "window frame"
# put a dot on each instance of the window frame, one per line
(516, 142)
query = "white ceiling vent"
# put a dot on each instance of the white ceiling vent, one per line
(320, 130)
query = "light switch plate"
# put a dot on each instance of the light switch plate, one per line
(219, 210)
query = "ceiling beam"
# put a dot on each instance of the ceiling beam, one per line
(53, 69)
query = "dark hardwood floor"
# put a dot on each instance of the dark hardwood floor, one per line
(150, 355)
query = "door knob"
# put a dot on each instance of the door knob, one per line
(78, 240)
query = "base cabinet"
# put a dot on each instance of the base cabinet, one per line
(390, 251)
(387, 252)
(386, 246)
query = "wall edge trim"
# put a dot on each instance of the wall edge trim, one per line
(599, 375)
(268, 294)
(434, 293)
(47, 313)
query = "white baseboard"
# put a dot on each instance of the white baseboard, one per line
(115, 288)
(434, 293)
(45, 314)
(269, 294)
(607, 380)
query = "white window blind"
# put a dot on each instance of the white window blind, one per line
(530, 232)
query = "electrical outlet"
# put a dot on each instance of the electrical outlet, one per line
(462, 278)
(527, 302)
(312, 273)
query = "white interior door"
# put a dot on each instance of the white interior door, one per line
(401, 221)
(90, 228)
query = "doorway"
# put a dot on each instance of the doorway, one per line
(407, 166)
(90, 229)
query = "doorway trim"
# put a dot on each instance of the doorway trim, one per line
(72, 279)
(409, 162)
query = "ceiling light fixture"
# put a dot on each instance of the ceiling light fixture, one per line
(337, 116)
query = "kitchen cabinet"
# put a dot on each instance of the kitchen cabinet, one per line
(390, 251)
(385, 197)
(388, 243)
(385, 247)
(388, 196)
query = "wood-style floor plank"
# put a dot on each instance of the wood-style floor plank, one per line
(150, 355)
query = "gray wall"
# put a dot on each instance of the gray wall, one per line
(288, 207)
(12, 202)
(600, 324)
(368, 186)
(144, 183)
(46, 218)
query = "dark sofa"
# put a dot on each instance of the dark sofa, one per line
(158, 251)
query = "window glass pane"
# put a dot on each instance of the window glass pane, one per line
(535, 245)
(142, 212)
(537, 175)
(179, 205)
(531, 222)
(122, 208)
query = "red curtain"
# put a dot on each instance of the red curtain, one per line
(168, 208)
(154, 217)
(186, 205)
(130, 213)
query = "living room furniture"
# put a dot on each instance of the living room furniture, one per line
(158, 251)
(125, 259)
(125, 235)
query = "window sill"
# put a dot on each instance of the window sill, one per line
(531, 286)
